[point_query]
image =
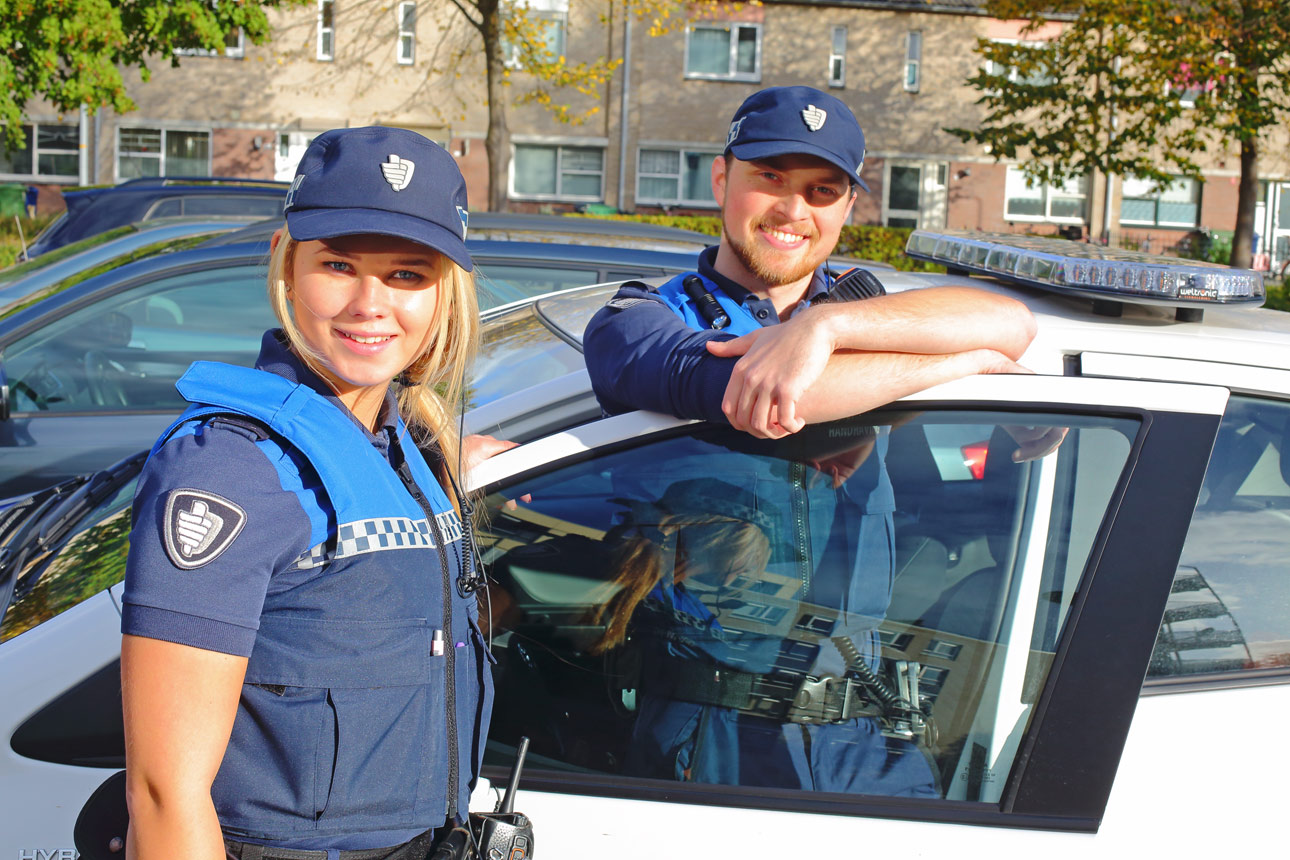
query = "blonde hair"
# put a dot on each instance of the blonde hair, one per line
(693, 540)
(431, 389)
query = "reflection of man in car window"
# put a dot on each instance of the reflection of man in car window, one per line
(761, 337)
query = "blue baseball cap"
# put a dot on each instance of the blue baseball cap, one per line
(388, 181)
(798, 121)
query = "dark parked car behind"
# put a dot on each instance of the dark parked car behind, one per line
(91, 211)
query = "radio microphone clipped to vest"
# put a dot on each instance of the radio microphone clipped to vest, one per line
(706, 303)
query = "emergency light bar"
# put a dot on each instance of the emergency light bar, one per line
(1107, 275)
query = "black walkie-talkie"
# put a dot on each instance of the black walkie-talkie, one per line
(709, 308)
(853, 284)
(505, 834)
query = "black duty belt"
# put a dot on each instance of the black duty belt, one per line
(775, 696)
(416, 848)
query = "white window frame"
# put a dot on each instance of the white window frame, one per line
(235, 51)
(731, 27)
(559, 194)
(326, 32)
(837, 70)
(913, 61)
(35, 157)
(405, 36)
(554, 12)
(1197, 188)
(1012, 72)
(160, 155)
(706, 202)
(1048, 192)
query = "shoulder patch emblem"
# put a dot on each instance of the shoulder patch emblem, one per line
(199, 527)
(623, 304)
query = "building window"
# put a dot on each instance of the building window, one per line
(1028, 201)
(234, 46)
(913, 59)
(671, 176)
(729, 52)
(563, 172)
(1144, 203)
(547, 23)
(838, 58)
(49, 150)
(162, 152)
(1037, 77)
(326, 30)
(407, 13)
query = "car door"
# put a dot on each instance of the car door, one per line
(672, 599)
(92, 380)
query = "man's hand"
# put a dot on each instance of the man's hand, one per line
(779, 363)
(1034, 442)
(477, 448)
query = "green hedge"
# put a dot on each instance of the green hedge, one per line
(1279, 296)
(10, 245)
(884, 244)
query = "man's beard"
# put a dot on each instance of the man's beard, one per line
(760, 262)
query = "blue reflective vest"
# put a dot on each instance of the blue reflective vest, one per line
(367, 694)
(673, 294)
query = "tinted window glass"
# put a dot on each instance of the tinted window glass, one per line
(91, 561)
(233, 204)
(517, 351)
(823, 613)
(126, 351)
(1230, 607)
(514, 282)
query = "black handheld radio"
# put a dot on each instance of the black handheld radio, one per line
(502, 834)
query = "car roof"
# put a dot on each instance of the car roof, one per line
(546, 229)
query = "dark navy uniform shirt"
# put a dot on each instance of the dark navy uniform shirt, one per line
(217, 606)
(641, 355)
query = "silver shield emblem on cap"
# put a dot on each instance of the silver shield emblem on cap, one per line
(814, 117)
(199, 526)
(734, 131)
(397, 171)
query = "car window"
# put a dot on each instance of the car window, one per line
(267, 206)
(126, 351)
(1230, 606)
(91, 561)
(521, 281)
(517, 351)
(824, 613)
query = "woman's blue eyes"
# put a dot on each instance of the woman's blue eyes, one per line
(345, 268)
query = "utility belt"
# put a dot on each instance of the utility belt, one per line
(416, 848)
(802, 699)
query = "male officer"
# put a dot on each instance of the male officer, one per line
(781, 356)
(786, 185)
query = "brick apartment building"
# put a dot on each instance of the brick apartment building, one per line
(900, 64)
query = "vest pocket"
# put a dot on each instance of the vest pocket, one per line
(358, 734)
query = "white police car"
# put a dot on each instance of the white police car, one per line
(1030, 599)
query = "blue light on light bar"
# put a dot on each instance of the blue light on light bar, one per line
(1095, 271)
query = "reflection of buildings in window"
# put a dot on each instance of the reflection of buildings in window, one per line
(162, 152)
(723, 51)
(1144, 203)
(1027, 201)
(547, 171)
(674, 176)
(49, 150)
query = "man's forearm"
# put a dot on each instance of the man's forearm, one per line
(855, 382)
(934, 321)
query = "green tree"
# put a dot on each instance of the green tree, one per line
(1136, 88)
(71, 52)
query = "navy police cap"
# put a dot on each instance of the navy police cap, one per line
(798, 121)
(388, 181)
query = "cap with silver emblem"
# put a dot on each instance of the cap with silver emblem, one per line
(388, 181)
(798, 121)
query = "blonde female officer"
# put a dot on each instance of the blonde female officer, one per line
(302, 668)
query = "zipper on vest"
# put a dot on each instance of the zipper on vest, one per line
(450, 668)
(801, 528)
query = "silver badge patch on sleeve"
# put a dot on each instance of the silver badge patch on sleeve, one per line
(623, 304)
(199, 527)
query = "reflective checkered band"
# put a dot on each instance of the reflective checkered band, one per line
(382, 533)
